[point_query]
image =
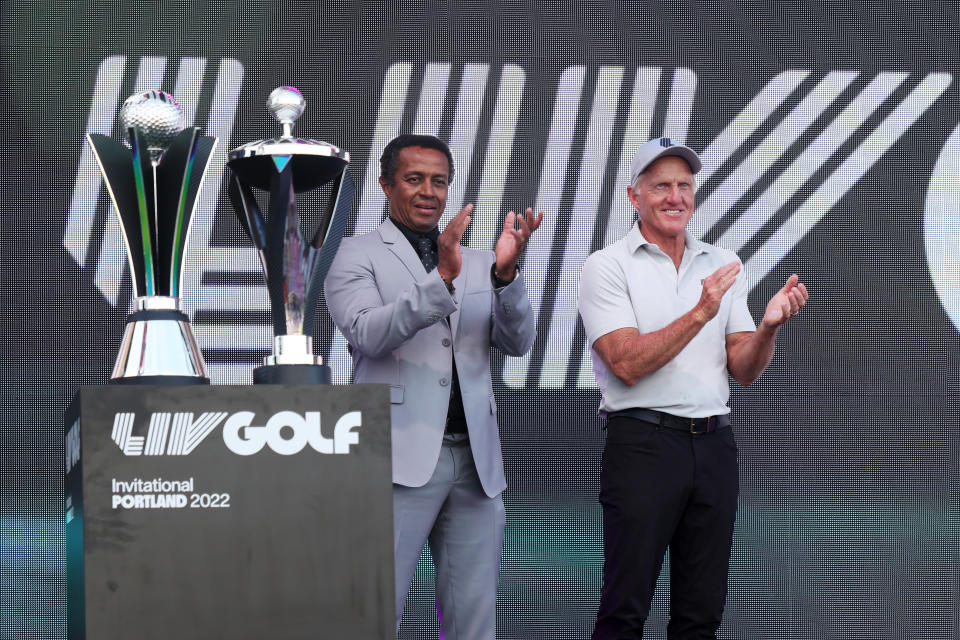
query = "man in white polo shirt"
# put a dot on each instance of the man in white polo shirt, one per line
(666, 316)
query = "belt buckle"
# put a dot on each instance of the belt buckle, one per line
(693, 427)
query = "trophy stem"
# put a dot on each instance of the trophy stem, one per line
(156, 208)
(146, 238)
(292, 349)
(292, 362)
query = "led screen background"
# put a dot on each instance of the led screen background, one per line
(828, 134)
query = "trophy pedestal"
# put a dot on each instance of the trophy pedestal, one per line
(236, 512)
(292, 362)
(158, 346)
(292, 374)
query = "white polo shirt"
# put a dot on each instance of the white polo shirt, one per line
(633, 284)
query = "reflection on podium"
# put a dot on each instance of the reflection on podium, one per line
(229, 512)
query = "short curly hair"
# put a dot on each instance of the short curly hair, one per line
(391, 153)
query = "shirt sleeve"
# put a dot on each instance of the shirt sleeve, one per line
(603, 301)
(740, 318)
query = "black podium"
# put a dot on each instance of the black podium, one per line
(241, 512)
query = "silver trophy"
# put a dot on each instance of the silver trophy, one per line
(154, 184)
(294, 266)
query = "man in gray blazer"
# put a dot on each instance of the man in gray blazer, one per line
(420, 313)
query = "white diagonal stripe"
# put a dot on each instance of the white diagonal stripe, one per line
(848, 173)
(149, 75)
(220, 122)
(178, 433)
(552, 177)
(433, 94)
(86, 189)
(772, 148)
(811, 160)
(643, 102)
(392, 98)
(122, 425)
(201, 428)
(582, 217)
(646, 86)
(749, 120)
(188, 87)
(681, 104)
(157, 433)
(486, 224)
(463, 137)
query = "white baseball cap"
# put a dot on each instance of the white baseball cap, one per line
(658, 148)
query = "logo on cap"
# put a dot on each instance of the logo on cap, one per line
(666, 142)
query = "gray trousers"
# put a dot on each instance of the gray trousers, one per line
(464, 528)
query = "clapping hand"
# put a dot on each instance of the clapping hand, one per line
(513, 240)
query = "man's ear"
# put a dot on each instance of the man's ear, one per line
(386, 186)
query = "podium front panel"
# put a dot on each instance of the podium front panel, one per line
(229, 512)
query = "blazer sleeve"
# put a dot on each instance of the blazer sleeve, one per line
(514, 327)
(371, 325)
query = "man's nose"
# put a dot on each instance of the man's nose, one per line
(675, 195)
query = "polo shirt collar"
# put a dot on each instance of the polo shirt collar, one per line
(635, 240)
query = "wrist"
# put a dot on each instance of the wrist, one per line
(449, 285)
(771, 329)
(699, 316)
(498, 278)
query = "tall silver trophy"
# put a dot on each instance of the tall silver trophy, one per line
(154, 184)
(294, 266)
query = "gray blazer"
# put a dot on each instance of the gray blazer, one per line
(392, 313)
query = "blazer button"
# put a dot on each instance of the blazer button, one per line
(446, 342)
(444, 382)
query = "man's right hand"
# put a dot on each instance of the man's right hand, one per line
(714, 286)
(448, 245)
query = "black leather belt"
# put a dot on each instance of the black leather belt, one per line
(670, 421)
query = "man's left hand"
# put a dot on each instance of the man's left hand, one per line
(786, 303)
(513, 240)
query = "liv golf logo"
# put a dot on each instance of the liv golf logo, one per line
(286, 433)
(770, 174)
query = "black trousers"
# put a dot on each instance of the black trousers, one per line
(663, 488)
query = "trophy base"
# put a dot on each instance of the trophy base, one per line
(161, 380)
(292, 374)
(158, 346)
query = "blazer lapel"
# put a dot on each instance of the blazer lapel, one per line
(398, 245)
